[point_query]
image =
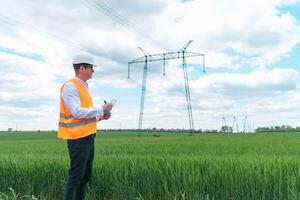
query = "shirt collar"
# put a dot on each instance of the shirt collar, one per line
(81, 81)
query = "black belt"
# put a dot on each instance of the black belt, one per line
(86, 137)
(92, 135)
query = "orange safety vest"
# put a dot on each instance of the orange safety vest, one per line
(73, 128)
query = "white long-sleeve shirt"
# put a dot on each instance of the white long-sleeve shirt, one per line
(71, 99)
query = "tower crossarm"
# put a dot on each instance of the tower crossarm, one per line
(165, 56)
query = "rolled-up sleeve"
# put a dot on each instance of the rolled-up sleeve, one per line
(71, 99)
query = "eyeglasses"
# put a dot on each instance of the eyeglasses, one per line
(87, 65)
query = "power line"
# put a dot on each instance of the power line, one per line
(14, 22)
(123, 21)
(57, 37)
(110, 12)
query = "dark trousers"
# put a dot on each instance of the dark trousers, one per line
(81, 152)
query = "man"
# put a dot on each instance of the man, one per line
(77, 124)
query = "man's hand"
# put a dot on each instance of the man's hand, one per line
(103, 117)
(107, 108)
(106, 116)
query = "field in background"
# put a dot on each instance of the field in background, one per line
(157, 166)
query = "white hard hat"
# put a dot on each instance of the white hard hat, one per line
(83, 58)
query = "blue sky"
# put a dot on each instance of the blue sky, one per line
(290, 61)
(251, 50)
(33, 56)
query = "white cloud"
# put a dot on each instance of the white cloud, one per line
(251, 28)
(27, 92)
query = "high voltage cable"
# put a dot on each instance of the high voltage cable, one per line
(35, 29)
(104, 8)
(56, 37)
(109, 11)
(124, 22)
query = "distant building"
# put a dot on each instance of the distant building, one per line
(9, 130)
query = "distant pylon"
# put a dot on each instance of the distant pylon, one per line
(224, 127)
(246, 127)
(235, 125)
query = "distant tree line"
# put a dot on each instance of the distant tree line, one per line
(224, 129)
(282, 128)
(153, 130)
(172, 130)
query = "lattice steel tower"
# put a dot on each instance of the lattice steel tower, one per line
(163, 57)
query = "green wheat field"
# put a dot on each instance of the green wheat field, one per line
(156, 166)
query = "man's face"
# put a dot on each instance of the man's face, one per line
(86, 71)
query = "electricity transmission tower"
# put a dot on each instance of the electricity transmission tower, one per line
(224, 127)
(235, 125)
(182, 54)
(246, 127)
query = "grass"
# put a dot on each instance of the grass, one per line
(171, 166)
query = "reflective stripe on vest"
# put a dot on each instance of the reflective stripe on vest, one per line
(75, 124)
(62, 115)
